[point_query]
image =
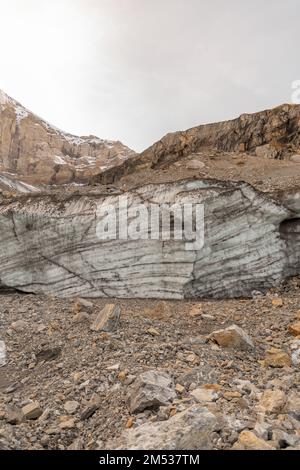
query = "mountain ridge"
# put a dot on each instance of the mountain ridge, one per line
(43, 154)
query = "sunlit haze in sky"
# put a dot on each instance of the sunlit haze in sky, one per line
(133, 70)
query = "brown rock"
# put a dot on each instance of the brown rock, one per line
(82, 305)
(66, 422)
(295, 329)
(232, 337)
(272, 401)
(13, 416)
(32, 411)
(196, 312)
(249, 441)
(129, 423)
(108, 319)
(76, 445)
(232, 395)
(80, 317)
(277, 358)
(179, 388)
(203, 395)
(277, 303)
(153, 332)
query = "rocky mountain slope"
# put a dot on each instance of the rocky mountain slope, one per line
(39, 153)
(273, 134)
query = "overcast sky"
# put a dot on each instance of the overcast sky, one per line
(133, 70)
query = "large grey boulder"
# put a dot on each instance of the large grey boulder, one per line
(190, 430)
(151, 390)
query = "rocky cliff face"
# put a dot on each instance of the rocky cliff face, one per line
(274, 134)
(33, 149)
(50, 245)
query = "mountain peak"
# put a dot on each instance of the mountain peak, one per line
(4, 98)
(41, 153)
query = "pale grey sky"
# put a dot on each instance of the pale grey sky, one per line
(133, 70)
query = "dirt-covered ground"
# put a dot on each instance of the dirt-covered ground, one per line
(81, 379)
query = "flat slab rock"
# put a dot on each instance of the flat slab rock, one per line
(49, 245)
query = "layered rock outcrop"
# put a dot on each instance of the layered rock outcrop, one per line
(51, 244)
(273, 133)
(37, 151)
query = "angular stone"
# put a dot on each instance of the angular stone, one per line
(282, 439)
(14, 416)
(277, 358)
(293, 405)
(232, 395)
(179, 388)
(249, 441)
(151, 390)
(89, 410)
(190, 430)
(203, 395)
(3, 358)
(76, 445)
(67, 423)
(199, 376)
(232, 337)
(32, 411)
(153, 332)
(48, 354)
(272, 401)
(71, 406)
(83, 305)
(295, 329)
(80, 317)
(108, 319)
(277, 303)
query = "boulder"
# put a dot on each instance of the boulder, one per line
(232, 337)
(108, 319)
(272, 401)
(32, 411)
(294, 329)
(151, 390)
(190, 430)
(249, 441)
(277, 358)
